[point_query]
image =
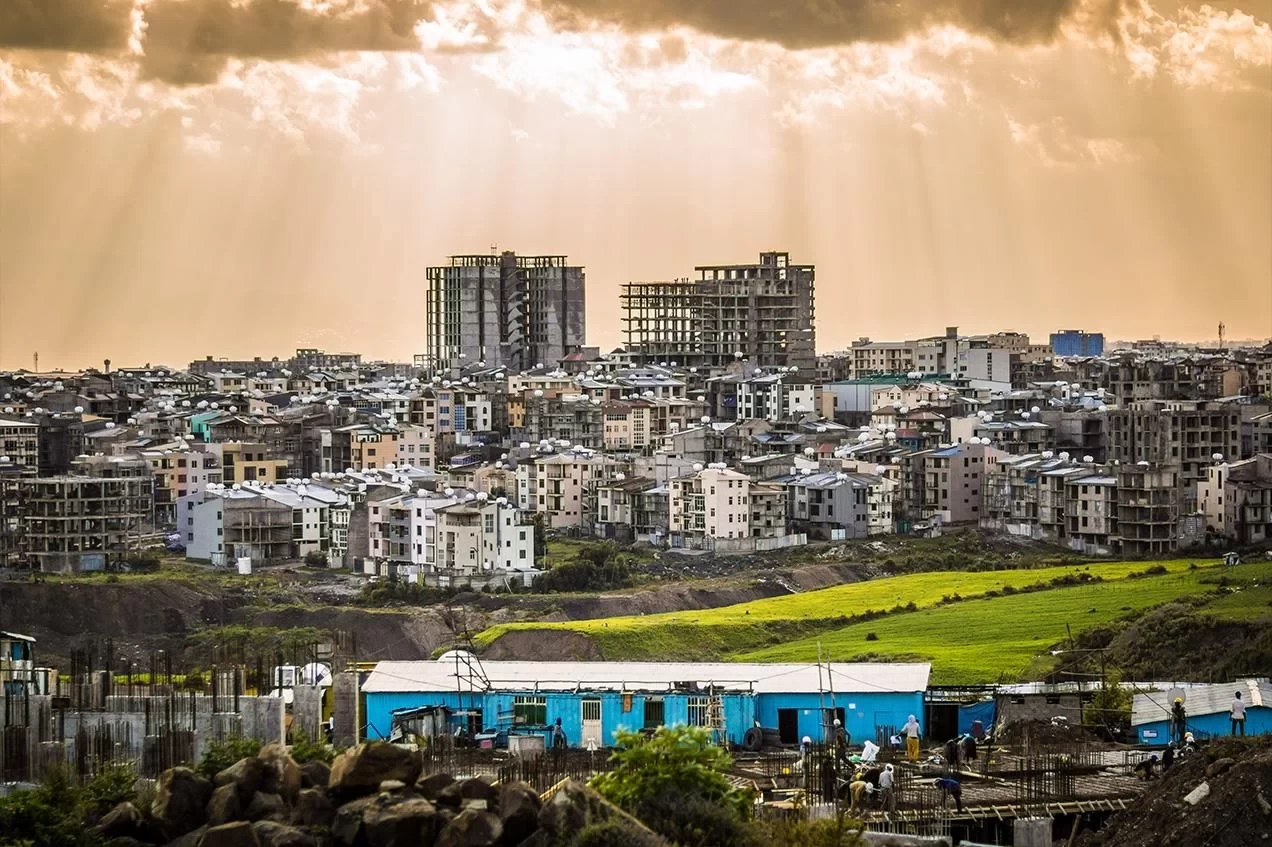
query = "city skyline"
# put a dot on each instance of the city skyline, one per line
(269, 175)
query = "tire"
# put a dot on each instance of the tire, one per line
(753, 740)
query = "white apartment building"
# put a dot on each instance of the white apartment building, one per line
(775, 397)
(483, 537)
(263, 522)
(711, 503)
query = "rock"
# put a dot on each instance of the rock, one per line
(471, 828)
(312, 808)
(346, 826)
(266, 807)
(237, 834)
(190, 839)
(392, 785)
(360, 770)
(126, 821)
(468, 794)
(575, 806)
(181, 801)
(429, 787)
(400, 824)
(519, 807)
(225, 805)
(282, 774)
(1218, 766)
(1201, 792)
(272, 834)
(315, 774)
(248, 774)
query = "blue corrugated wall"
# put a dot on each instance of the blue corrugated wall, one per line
(1258, 722)
(862, 712)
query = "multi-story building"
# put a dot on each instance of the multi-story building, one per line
(563, 487)
(778, 397)
(760, 312)
(1091, 510)
(1076, 342)
(710, 503)
(572, 418)
(415, 446)
(1186, 434)
(943, 485)
(1236, 499)
(359, 446)
(632, 510)
(518, 311)
(263, 522)
(78, 522)
(1015, 437)
(482, 538)
(1148, 509)
(179, 472)
(874, 358)
(20, 441)
(245, 461)
(831, 505)
(768, 504)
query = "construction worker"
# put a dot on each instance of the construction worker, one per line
(1238, 714)
(1168, 757)
(858, 788)
(912, 739)
(1147, 769)
(951, 788)
(559, 741)
(887, 794)
(1178, 719)
(841, 740)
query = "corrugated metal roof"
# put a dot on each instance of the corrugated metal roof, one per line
(845, 678)
(1201, 700)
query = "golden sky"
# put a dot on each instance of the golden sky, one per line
(241, 177)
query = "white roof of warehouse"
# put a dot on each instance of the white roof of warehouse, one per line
(1201, 700)
(762, 678)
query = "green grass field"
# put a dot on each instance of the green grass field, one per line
(732, 629)
(1008, 637)
(973, 640)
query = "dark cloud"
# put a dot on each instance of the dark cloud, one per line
(78, 26)
(819, 23)
(189, 41)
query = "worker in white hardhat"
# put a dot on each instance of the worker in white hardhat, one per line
(887, 796)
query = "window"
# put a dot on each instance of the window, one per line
(655, 709)
(530, 710)
(699, 710)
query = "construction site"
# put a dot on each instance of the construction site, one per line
(761, 312)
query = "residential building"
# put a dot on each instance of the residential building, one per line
(359, 446)
(768, 503)
(634, 509)
(562, 486)
(874, 358)
(518, 311)
(1236, 499)
(778, 396)
(245, 461)
(20, 441)
(571, 420)
(1091, 510)
(483, 538)
(1076, 342)
(263, 522)
(761, 312)
(1017, 437)
(415, 446)
(830, 506)
(710, 503)
(944, 485)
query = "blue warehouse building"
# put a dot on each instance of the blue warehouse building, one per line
(595, 700)
(1208, 710)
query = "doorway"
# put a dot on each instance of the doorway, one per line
(592, 736)
(788, 725)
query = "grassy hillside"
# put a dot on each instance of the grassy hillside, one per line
(748, 626)
(973, 627)
(1009, 637)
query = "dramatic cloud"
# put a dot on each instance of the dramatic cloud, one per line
(80, 26)
(821, 23)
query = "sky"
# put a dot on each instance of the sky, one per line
(181, 178)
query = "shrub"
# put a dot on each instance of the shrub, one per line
(142, 562)
(840, 831)
(315, 559)
(109, 787)
(675, 782)
(50, 815)
(870, 636)
(219, 755)
(303, 749)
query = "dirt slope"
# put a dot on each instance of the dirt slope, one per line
(1236, 813)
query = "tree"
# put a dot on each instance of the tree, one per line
(1110, 706)
(674, 781)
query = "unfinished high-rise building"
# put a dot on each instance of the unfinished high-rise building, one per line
(762, 311)
(510, 310)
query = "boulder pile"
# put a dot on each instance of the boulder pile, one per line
(372, 795)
